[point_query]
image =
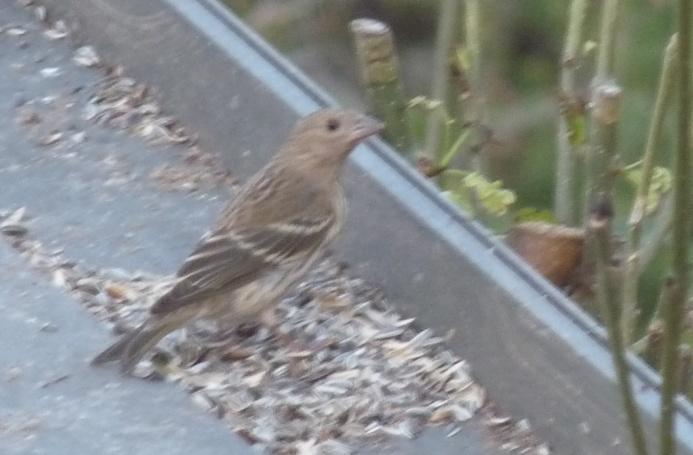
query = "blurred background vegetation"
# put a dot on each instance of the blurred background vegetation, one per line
(521, 45)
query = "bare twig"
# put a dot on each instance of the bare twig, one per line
(377, 58)
(474, 110)
(606, 104)
(599, 225)
(472, 38)
(564, 206)
(606, 52)
(601, 154)
(629, 313)
(680, 230)
(447, 21)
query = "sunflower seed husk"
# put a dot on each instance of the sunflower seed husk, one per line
(86, 56)
(13, 229)
(15, 31)
(41, 13)
(51, 138)
(13, 225)
(57, 31)
(51, 71)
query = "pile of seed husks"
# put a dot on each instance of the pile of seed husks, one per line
(121, 102)
(343, 367)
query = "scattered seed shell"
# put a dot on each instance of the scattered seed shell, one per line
(51, 71)
(86, 56)
(57, 31)
(13, 225)
(15, 31)
(51, 138)
(40, 13)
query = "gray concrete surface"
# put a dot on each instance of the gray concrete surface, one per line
(52, 402)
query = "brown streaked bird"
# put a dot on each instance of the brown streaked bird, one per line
(265, 240)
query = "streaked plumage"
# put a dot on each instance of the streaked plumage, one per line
(266, 238)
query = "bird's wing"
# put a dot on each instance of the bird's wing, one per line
(224, 261)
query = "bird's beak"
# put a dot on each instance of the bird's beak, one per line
(366, 126)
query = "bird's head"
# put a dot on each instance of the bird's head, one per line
(326, 137)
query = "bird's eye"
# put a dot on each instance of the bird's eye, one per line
(333, 124)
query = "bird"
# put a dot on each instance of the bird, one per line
(264, 240)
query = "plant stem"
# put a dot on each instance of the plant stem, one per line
(607, 41)
(564, 205)
(379, 69)
(474, 111)
(629, 313)
(472, 38)
(602, 153)
(599, 225)
(680, 229)
(447, 20)
(605, 101)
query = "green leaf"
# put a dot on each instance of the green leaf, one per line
(660, 184)
(455, 173)
(493, 197)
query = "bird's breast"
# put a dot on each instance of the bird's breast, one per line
(339, 207)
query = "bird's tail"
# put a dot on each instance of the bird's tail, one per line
(131, 347)
(115, 351)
